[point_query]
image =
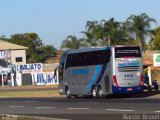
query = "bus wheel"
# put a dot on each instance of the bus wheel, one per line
(99, 92)
(68, 93)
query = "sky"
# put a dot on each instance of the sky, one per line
(54, 20)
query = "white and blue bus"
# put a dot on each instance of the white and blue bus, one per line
(101, 71)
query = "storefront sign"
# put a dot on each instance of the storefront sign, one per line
(44, 78)
(4, 54)
(156, 60)
(28, 68)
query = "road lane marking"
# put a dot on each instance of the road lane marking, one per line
(88, 102)
(16, 106)
(78, 108)
(45, 107)
(157, 111)
(31, 101)
(121, 110)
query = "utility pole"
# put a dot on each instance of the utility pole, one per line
(11, 66)
(109, 40)
(150, 79)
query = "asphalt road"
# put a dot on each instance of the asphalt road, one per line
(82, 108)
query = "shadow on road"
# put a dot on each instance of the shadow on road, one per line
(147, 94)
(144, 94)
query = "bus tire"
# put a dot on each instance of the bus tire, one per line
(99, 92)
(67, 91)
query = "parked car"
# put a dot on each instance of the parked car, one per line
(154, 86)
(5, 80)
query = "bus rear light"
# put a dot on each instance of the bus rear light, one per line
(141, 80)
(115, 81)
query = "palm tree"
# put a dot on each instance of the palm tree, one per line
(110, 28)
(154, 43)
(114, 32)
(91, 33)
(108, 32)
(72, 42)
(89, 39)
(138, 26)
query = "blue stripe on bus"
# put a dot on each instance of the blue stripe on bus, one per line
(101, 74)
(96, 71)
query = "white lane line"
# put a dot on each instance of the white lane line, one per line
(157, 111)
(88, 102)
(16, 106)
(121, 110)
(45, 107)
(30, 101)
(78, 108)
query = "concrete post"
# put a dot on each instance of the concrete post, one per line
(2, 80)
(12, 79)
(150, 79)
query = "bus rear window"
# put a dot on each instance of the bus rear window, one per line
(127, 52)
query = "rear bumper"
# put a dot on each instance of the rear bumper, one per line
(135, 89)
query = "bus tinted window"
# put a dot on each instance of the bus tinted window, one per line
(127, 52)
(88, 58)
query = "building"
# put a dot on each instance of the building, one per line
(11, 54)
(148, 62)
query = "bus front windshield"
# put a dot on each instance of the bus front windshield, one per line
(133, 51)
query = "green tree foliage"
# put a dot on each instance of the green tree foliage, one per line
(3, 37)
(155, 41)
(72, 42)
(105, 32)
(138, 26)
(111, 32)
(47, 51)
(30, 40)
(115, 32)
(36, 52)
(91, 33)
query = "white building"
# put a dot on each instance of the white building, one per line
(14, 54)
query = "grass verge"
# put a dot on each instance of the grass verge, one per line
(46, 93)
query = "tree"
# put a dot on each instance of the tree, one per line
(26, 39)
(91, 33)
(89, 39)
(72, 42)
(109, 32)
(138, 26)
(155, 41)
(111, 29)
(3, 37)
(30, 40)
(46, 51)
